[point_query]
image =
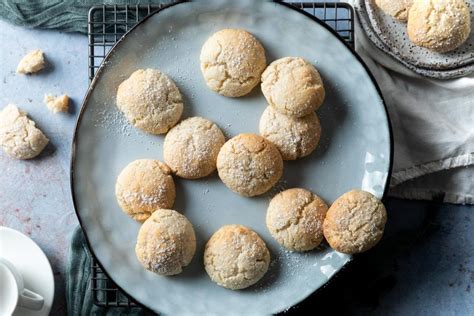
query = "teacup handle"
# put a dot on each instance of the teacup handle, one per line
(30, 300)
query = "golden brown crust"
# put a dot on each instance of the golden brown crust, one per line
(144, 186)
(232, 61)
(295, 137)
(355, 222)
(235, 257)
(150, 100)
(295, 219)
(249, 164)
(166, 242)
(190, 148)
(293, 86)
(439, 25)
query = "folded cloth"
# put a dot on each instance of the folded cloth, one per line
(433, 128)
(68, 16)
(78, 283)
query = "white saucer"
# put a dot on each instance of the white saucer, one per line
(32, 263)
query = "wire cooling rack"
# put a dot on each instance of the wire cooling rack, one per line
(108, 23)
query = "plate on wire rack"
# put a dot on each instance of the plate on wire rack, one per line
(355, 152)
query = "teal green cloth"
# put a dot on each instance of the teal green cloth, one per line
(78, 283)
(68, 16)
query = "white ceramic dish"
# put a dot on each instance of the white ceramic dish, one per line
(355, 152)
(32, 264)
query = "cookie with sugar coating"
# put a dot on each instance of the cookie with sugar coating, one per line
(295, 219)
(295, 137)
(249, 164)
(232, 61)
(166, 242)
(293, 86)
(150, 100)
(190, 148)
(397, 8)
(439, 25)
(144, 186)
(19, 136)
(236, 257)
(355, 222)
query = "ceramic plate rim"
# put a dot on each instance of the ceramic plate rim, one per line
(117, 45)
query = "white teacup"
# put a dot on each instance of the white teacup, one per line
(13, 292)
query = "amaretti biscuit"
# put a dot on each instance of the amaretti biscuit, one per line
(236, 257)
(144, 186)
(232, 61)
(150, 100)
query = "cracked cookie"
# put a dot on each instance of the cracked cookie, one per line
(144, 186)
(292, 86)
(166, 242)
(295, 137)
(295, 219)
(19, 137)
(396, 8)
(150, 100)
(232, 61)
(190, 148)
(439, 25)
(355, 222)
(249, 164)
(236, 257)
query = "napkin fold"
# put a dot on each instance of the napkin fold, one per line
(79, 295)
(433, 128)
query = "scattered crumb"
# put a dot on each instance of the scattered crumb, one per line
(57, 104)
(31, 63)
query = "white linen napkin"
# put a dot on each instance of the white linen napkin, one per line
(433, 128)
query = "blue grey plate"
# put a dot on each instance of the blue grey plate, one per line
(355, 152)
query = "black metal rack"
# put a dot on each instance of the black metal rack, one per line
(108, 23)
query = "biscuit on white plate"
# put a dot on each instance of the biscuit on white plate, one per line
(236, 257)
(295, 219)
(19, 136)
(190, 148)
(150, 100)
(439, 25)
(293, 86)
(31, 63)
(295, 137)
(166, 242)
(355, 222)
(144, 186)
(232, 61)
(249, 164)
(396, 8)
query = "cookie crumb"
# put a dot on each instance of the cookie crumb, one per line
(57, 103)
(31, 63)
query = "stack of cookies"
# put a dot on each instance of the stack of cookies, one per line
(233, 62)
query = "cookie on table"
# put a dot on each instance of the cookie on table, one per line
(19, 136)
(295, 137)
(249, 164)
(293, 86)
(31, 63)
(232, 61)
(295, 219)
(396, 8)
(355, 222)
(144, 186)
(190, 148)
(236, 257)
(439, 25)
(150, 100)
(166, 242)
